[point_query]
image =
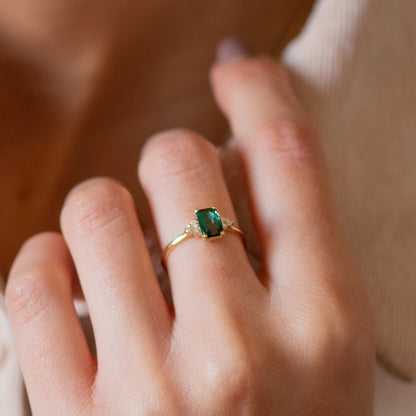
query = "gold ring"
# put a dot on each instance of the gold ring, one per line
(207, 225)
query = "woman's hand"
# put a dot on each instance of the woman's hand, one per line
(294, 339)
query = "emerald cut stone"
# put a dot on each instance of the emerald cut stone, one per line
(209, 222)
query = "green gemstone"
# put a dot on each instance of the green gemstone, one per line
(209, 222)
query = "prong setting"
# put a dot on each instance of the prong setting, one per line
(194, 228)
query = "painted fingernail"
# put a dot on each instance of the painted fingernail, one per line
(231, 49)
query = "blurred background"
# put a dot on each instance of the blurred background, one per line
(83, 84)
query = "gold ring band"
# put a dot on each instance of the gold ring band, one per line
(208, 225)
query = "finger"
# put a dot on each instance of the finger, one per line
(284, 164)
(101, 228)
(51, 345)
(180, 172)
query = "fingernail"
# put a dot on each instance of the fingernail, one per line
(231, 49)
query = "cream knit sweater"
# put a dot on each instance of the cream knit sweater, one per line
(354, 69)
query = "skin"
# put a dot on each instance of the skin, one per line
(294, 339)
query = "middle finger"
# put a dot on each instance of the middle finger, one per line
(102, 231)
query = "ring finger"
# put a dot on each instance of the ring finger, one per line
(180, 173)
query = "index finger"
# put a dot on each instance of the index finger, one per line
(285, 168)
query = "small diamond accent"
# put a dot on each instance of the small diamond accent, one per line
(193, 228)
(227, 222)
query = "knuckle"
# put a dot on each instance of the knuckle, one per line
(164, 402)
(339, 334)
(162, 395)
(355, 335)
(27, 296)
(232, 377)
(96, 204)
(176, 153)
(287, 140)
